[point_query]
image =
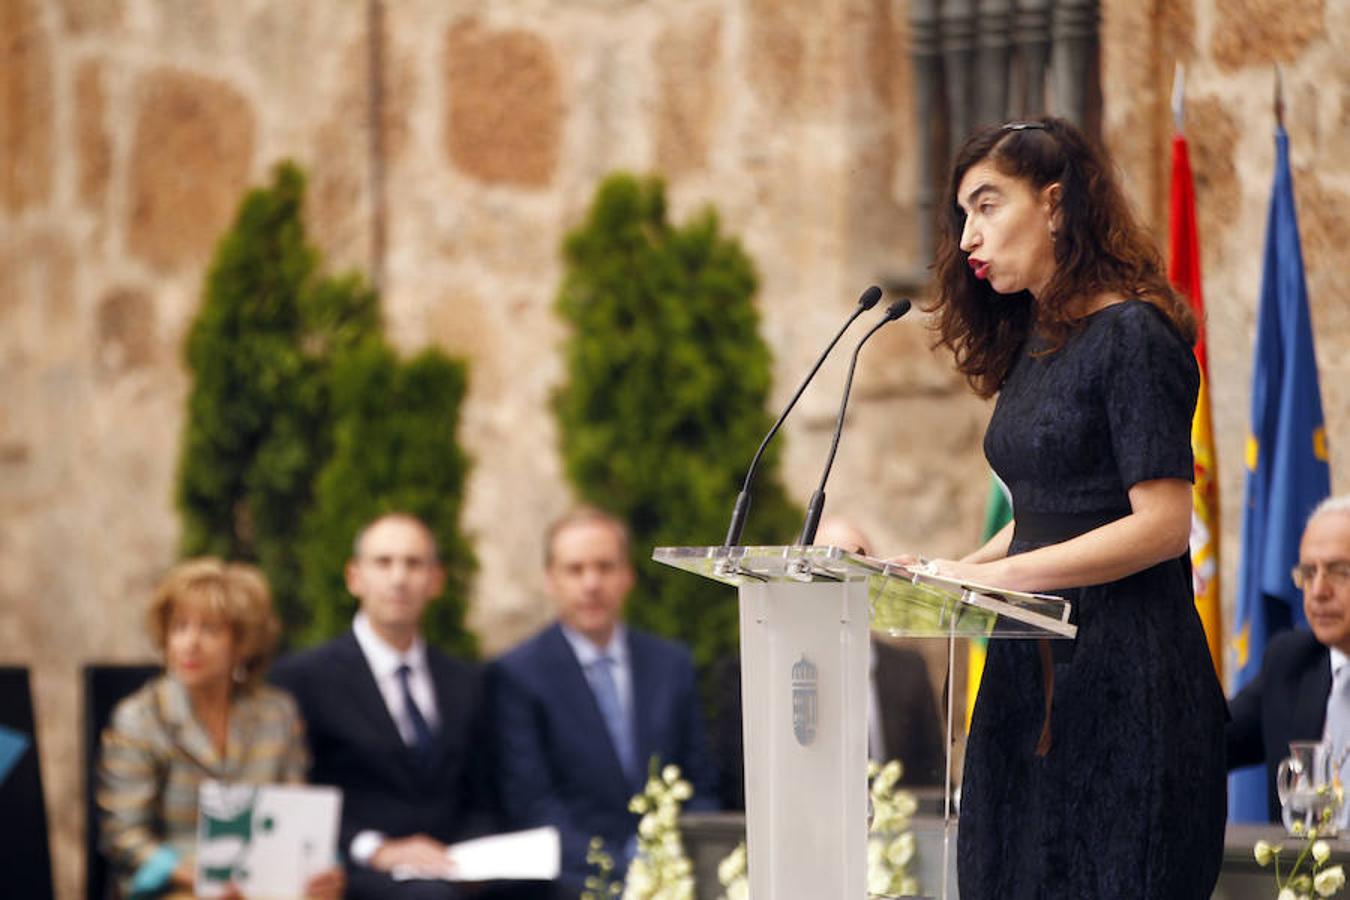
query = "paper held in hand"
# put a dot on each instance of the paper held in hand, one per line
(533, 855)
(264, 840)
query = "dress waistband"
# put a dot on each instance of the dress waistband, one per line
(1051, 528)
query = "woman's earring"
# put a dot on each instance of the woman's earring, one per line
(239, 673)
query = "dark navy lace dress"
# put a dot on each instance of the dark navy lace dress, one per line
(1129, 802)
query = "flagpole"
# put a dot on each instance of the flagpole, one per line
(1179, 98)
(1279, 98)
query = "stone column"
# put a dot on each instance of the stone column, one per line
(1074, 56)
(925, 55)
(992, 69)
(1031, 43)
(958, 65)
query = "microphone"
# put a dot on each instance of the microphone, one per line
(817, 504)
(868, 300)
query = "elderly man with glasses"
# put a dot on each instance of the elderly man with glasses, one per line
(1303, 691)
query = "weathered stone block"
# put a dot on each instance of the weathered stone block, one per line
(1258, 32)
(503, 120)
(26, 107)
(189, 165)
(688, 58)
(93, 144)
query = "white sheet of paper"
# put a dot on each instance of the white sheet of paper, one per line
(268, 840)
(532, 855)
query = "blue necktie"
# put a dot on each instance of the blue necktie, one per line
(607, 697)
(421, 730)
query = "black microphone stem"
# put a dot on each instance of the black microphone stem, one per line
(865, 302)
(817, 503)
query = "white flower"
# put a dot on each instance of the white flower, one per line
(1264, 851)
(1321, 852)
(682, 790)
(670, 774)
(1329, 881)
(1287, 894)
(878, 880)
(901, 850)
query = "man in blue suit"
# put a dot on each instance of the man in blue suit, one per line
(581, 708)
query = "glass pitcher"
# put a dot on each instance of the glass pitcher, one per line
(1308, 785)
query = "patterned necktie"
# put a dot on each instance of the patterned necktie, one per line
(421, 730)
(607, 697)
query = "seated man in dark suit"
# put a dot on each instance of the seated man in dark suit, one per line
(580, 709)
(395, 724)
(1292, 699)
(902, 717)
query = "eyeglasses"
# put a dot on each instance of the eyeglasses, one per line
(1336, 572)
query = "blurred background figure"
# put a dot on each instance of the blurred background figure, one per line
(208, 717)
(393, 722)
(1303, 691)
(580, 709)
(902, 715)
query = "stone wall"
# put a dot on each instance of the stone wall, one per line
(130, 128)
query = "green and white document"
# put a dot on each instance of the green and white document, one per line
(266, 840)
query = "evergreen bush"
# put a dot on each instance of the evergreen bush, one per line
(265, 351)
(665, 400)
(395, 450)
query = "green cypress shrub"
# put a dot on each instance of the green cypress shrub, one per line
(276, 352)
(665, 400)
(395, 450)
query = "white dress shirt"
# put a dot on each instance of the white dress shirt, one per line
(384, 662)
(587, 653)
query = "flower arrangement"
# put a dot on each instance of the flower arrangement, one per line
(660, 870)
(1298, 883)
(890, 842)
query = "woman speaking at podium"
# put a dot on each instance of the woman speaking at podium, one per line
(1095, 767)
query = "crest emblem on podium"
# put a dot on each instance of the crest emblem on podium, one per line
(804, 701)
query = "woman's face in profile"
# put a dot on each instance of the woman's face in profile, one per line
(199, 646)
(1007, 234)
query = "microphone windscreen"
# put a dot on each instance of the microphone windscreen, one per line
(870, 297)
(898, 308)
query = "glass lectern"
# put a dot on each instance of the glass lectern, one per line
(805, 614)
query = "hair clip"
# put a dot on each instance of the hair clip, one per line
(1024, 126)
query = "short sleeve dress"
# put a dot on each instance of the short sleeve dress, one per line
(1129, 801)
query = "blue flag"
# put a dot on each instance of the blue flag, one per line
(1287, 471)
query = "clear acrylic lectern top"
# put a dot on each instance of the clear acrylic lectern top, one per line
(904, 602)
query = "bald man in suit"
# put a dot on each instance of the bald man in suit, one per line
(1292, 698)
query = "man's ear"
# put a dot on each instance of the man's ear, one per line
(350, 575)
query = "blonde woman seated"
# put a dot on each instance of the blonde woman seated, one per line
(208, 717)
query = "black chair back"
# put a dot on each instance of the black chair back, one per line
(25, 858)
(104, 684)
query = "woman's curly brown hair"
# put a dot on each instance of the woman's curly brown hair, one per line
(237, 592)
(1099, 247)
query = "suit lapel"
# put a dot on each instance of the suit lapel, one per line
(364, 693)
(643, 705)
(1313, 690)
(176, 710)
